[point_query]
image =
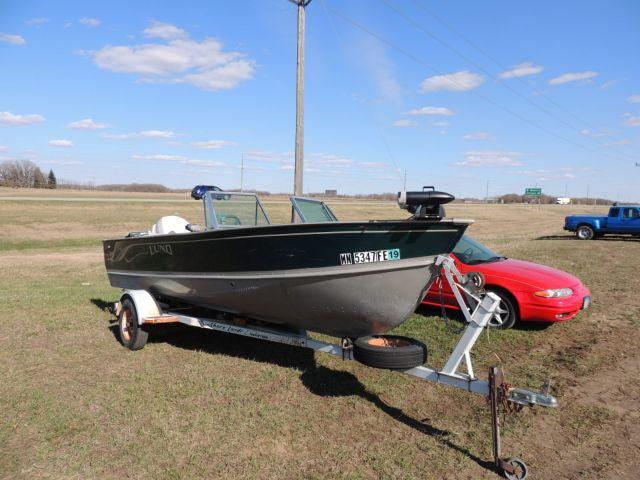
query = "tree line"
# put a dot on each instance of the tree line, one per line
(25, 174)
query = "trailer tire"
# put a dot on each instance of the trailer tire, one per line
(131, 333)
(391, 352)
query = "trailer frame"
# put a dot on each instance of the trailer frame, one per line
(477, 307)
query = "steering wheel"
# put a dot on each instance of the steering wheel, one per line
(224, 218)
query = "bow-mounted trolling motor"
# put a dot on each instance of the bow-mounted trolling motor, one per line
(425, 205)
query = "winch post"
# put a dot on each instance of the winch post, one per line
(494, 373)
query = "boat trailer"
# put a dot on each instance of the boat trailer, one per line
(477, 309)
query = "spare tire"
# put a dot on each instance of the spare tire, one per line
(389, 351)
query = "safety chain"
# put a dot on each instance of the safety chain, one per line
(508, 407)
(443, 310)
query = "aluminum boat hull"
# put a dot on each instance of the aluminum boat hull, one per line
(303, 275)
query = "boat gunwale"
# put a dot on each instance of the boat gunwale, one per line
(297, 226)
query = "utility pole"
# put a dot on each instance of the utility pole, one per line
(566, 189)
(587, 194)
(486, 198)
(241, 172)
(299, 166)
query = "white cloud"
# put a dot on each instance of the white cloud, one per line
(162, 30)
(160, 157)
(634, 98)
(204, 163)
(87, 124)
(37, 21)
(590, 133)
(478, 159)
(609, 83)
(16, 120)
(478, 136)
(631, 120)
(374, 57)
(542, 174)
(180, 60)
(15, 39)
(264, 156)
(90, 22)
(3, 148)
(328, 159)
(430, 111)
(212, 144)
(405, 123)
(62, 162)
(142, 134)
(373, 164)
(181, 159)
(522, 70)
(454, 82)
(440, 123)
(573, 77)
(61, 143)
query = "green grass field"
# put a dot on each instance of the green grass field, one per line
(194, 404)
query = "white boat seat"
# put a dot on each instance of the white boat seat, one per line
(170, 224)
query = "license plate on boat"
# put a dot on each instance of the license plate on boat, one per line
(370, 257)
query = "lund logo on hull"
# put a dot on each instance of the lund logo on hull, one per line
(160, 248)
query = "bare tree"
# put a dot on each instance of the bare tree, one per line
(18, 173)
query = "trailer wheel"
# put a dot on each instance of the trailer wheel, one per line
(585, 232)
(520, 470)
(132, 335)
(389, 351)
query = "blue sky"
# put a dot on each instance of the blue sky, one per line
(458, 94)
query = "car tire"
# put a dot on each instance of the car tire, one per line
(391, 352)
(585, 232)
(507, 313)
(131, 333)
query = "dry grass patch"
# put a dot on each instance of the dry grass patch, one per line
(196, 404)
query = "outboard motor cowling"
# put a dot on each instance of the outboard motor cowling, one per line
(426, 204)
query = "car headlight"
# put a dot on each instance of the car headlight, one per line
(555, 293)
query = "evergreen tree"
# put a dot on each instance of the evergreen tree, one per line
(52, 183)
(39, 181)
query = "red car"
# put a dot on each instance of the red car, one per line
(528, 291)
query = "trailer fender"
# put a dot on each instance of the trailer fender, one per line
(145, 304)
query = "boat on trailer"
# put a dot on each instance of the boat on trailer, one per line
(346, 279)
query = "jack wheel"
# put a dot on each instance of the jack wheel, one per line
(519, 470)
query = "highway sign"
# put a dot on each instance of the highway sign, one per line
(533, 191)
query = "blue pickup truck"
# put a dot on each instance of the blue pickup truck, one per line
(622, 220)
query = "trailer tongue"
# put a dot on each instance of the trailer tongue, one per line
(137, 308)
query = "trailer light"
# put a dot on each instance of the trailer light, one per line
(555, 293)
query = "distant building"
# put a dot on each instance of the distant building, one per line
(331, 193)
(563, 201)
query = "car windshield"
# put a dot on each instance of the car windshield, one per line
(472, 252)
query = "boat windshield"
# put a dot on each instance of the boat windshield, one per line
(225, 210)
(312, 211)
(472, 252)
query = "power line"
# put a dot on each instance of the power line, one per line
(382, 137)
(503, 67)
(475, 92)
